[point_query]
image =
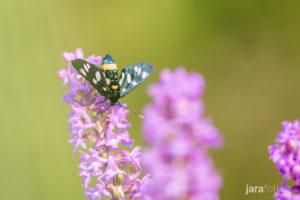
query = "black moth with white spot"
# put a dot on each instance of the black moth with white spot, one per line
(106, 80)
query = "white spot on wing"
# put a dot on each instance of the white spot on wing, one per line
(95, 81)
(122, 78)
(98, 77)
(86, 67)
(128, 78)
(139, 71)
(104, 88)
(107, 81)
(136, 69)
(134, 83)
(121, 82)
(82, 71)
(123, 90)
(144, 75)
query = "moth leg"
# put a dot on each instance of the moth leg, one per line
(105, 109)
(102, 101)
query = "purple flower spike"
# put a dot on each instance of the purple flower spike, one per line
(286, 156)
(108, 171)
(178, 137)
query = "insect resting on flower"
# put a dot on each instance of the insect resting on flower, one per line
(106, 80)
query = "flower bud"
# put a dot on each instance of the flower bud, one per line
(116, 195)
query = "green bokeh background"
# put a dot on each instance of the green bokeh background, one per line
(248, 52)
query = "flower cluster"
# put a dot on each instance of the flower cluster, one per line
(178, 136)
(286, 156)
(107, 169)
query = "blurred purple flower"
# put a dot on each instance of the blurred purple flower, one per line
(115, 171)
(287, 193)
(286, 156)
(179, 136)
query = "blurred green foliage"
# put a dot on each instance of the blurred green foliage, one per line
(248, 52)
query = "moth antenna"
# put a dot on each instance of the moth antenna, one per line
(137, 114)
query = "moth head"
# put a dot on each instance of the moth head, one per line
(108, 63)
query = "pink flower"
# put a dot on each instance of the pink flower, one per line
(101, 138)
(178, 137)
(285, 155)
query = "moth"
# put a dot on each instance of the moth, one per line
(106, 81)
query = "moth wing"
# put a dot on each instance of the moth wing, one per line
(93, 74)
(133, 76)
